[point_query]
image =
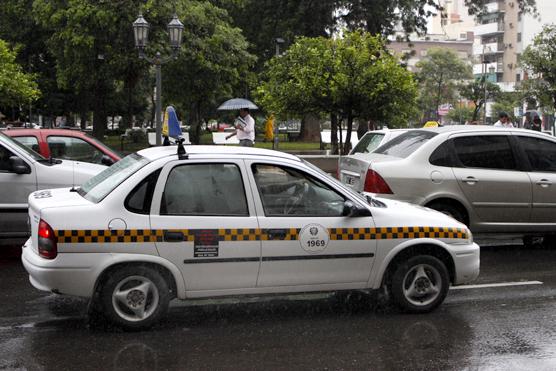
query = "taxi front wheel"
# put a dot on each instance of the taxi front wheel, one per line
(135, 298)
(420, 284)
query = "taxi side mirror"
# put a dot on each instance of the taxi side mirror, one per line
(106, 160)
(352, 210)
(19, 166)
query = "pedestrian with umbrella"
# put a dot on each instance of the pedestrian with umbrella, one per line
(244, 124)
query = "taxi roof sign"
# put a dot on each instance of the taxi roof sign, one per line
(431, 124)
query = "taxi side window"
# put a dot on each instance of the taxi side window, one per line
(288, 192)
(210, 189)
(140, 198)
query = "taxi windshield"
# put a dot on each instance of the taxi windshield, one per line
(99, 186)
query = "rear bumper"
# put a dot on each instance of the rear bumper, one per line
(467, 262)
(70, 274)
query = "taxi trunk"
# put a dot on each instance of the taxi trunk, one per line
(44, 199)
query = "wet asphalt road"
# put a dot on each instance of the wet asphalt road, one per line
(496, 328)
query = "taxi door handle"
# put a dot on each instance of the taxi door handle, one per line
(544, 183)
(274, 234)
(173, 236)
(470, 180)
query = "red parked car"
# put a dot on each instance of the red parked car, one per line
(65, 144)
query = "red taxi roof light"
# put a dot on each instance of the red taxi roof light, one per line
(374, 183)
(47, 243)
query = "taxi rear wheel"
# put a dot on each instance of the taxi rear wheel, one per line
(135, 297)
(420, 284)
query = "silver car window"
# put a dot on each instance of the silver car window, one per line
(34, 155)
(485, 151)
(541, 153)
(406, 143)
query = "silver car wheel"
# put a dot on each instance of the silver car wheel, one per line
(135, 298)
(422, 284)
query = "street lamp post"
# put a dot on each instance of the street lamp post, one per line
(278, 41)
(141, 34)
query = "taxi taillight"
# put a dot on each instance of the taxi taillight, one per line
(48, 247)
(374, 183)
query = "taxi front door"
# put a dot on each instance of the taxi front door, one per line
(305, 239)
(207, 224)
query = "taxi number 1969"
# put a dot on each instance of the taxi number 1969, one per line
(315, 243)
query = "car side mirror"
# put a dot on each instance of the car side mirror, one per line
(106, 160)
(352, 210)
(19, 166)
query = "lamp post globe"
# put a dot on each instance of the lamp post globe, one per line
(141, 32)
(175, 29)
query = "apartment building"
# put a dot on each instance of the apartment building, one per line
(501, 35)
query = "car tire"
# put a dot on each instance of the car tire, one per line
(451, 210)
(419, 284)
(135, 297)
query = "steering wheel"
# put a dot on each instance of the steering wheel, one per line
(296, 199)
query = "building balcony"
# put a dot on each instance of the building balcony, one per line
(488, 29)
(495, 7)
(507, 86)
(491, 68)
(490, 48)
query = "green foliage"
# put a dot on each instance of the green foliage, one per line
(16, 86)
(439, 73)
(506, 102)
(352, 77)
(477, 91)
(540, 59)
(461, 115)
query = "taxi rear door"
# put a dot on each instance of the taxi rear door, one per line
(205, 218)
(306, 240)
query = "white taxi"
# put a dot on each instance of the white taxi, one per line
(223, 221)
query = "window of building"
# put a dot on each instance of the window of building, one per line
(518, 77)
(519, 37)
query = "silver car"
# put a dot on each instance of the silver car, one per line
(492, 179)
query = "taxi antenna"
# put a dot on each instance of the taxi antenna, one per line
(182, 155)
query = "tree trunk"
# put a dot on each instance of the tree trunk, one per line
(362, 128)
(310, 128)
(347, 144)
(83, 117)
(99, 113)
(334, 133)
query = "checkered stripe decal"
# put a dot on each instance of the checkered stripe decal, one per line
(255, 234)
(109, 236)
(387, 233)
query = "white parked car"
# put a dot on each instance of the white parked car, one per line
(23, 171)
(229, 221)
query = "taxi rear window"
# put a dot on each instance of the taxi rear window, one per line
(99, 186)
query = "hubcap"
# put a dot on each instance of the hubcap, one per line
(422, 284)
(135, 298)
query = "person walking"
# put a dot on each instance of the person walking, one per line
(503, 121)
(245, 128)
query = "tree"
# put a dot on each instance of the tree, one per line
(16, 86)
(351, 77)
(539, 59)
(461, 114)
(477, 91)
(506, 102)
(438, 75)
